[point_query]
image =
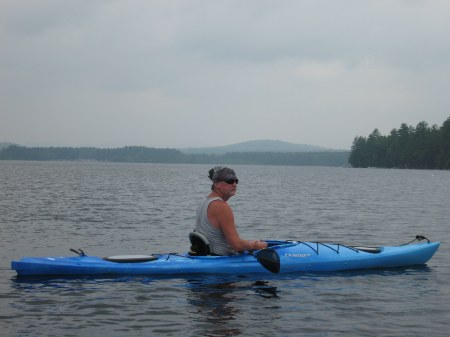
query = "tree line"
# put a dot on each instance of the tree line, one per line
(140, 154)
(420, 147)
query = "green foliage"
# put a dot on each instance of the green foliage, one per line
(139, 154)
(420, 147)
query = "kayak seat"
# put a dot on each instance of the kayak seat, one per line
(199, 244)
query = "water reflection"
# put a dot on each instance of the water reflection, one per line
(216, 312)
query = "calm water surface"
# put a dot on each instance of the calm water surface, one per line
(46, 208)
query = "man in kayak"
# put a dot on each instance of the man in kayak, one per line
(215, 219)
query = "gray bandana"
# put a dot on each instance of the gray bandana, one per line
(220, 173)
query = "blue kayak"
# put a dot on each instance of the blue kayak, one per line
(279, 257)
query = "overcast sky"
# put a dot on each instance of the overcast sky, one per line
(209, 72)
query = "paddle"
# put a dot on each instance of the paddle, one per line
(269, 259)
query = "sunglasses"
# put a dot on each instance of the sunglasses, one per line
(232, 181)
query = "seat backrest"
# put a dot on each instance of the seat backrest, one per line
(199, 244)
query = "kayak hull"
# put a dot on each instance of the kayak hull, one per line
(165, 264)
(293, 257)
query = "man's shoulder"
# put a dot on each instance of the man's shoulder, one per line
(217, 202)
(219, 205)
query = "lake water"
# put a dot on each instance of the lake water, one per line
(46, 208)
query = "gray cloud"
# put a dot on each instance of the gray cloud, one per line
(195, 73)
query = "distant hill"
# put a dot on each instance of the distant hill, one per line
(257, 146)
(3, 145)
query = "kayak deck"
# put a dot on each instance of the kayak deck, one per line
(327, 258)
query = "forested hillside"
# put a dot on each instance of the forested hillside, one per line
(139, 154)
(420, 147)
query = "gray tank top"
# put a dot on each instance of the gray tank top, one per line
(217, 241)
